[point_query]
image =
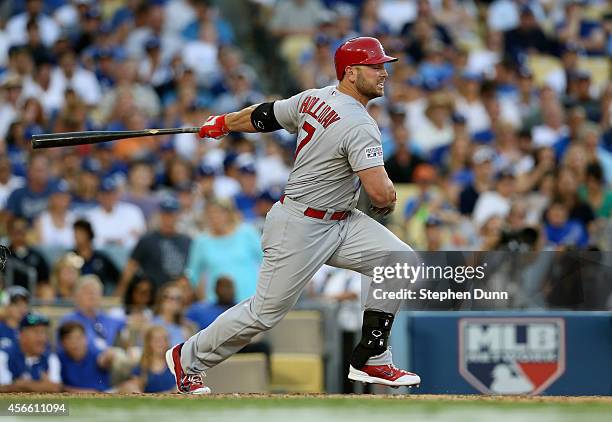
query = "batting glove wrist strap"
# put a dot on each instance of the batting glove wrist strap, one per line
(214, 128)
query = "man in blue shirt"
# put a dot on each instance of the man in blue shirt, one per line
(29, 365)
(101, 330)
(16, 300)
(204, 313)
(84, 367)
(30, 200)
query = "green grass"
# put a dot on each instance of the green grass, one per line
(323, 408)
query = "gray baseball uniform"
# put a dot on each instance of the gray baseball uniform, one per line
(336, 139)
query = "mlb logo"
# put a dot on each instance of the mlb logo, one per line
(511, 355)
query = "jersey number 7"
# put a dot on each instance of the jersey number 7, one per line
(310, 130)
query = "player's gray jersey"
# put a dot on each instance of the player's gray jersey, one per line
(336, 138)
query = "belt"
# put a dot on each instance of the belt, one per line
(320, 214)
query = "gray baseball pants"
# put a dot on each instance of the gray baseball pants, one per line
(295, 247)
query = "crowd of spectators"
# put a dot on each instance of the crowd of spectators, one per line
(498, 116)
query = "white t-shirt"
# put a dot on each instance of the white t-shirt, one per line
(201, 57)
(545, 136)
(122, 226)
(51, 235)
(426, 136)
(84, 83)
(16, 28)
(475, 114)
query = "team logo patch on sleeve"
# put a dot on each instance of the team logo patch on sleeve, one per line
(373, 152)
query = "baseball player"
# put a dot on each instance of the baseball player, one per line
(315, 222)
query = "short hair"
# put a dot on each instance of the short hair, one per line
(68, 327)
(88, 279)
(595, 171)
(84, 225)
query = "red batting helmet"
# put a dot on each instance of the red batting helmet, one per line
(362, 50)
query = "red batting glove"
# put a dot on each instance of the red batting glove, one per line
(214, 128)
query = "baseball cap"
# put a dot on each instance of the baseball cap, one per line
(60, 187)
(13, 293)
(525, 73)
(504, 173)
(458, 118)
(471, 76)
(248, 168)
(152, 43)
(269, 196)
(186, 186)
(433, 221)
(169, 204)
(33, 319)
(11, 80)
(483, 154)
(108, 185)
(206, 170)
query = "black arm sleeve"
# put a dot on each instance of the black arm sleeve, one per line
(263, 118)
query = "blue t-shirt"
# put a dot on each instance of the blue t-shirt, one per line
(157, 382)
(175, 331)
(204, 313)
(25, 203)
(246, 205)
(15, 365)
(86, 373)
(101, 331)
(572, 233)
(8, 336)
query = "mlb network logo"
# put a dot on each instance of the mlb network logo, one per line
(511, 355)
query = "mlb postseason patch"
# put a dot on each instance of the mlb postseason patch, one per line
(373, 152)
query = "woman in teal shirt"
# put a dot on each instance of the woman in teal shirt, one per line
(228, 248)
(595, 192)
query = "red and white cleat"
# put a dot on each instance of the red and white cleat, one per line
(185, 384)
(385, 375)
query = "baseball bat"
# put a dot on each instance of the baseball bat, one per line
(50, 140)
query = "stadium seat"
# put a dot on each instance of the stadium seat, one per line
(295, 372)
(298, 332)
(542, 66)
(598, 67)
(242, 373)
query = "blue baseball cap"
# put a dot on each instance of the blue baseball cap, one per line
(152, 43)
(109, 184)
(269, 195)
(471, 76)
(60, 187)
(433, 221)
(33, 319)
(169, 204)
(248, 168)
(206, 170)
(458, 118)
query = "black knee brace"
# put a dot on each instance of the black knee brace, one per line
(374, 335)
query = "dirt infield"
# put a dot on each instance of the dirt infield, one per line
(251, 396)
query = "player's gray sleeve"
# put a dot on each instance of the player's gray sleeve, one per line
(363, 147)
(286, 112)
